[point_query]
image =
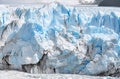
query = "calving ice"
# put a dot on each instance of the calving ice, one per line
(55, 38)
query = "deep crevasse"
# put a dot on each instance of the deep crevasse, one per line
(55, 38)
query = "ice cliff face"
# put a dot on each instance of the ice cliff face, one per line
(60, 39)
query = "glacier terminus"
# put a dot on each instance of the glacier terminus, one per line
(55, 38)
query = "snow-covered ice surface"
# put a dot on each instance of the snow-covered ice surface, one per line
(55, 38)
(22, 75)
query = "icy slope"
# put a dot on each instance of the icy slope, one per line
(60, 39)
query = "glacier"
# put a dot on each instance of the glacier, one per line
(55, 38)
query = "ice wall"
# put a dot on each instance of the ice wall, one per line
(60, 39)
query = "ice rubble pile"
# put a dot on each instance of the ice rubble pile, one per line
(59, 39)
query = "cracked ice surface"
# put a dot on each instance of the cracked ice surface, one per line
(55, 38)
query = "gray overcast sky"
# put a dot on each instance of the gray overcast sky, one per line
(47, 1)
(18, 1)
(37, 1)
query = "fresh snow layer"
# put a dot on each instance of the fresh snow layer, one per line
(55, 38)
